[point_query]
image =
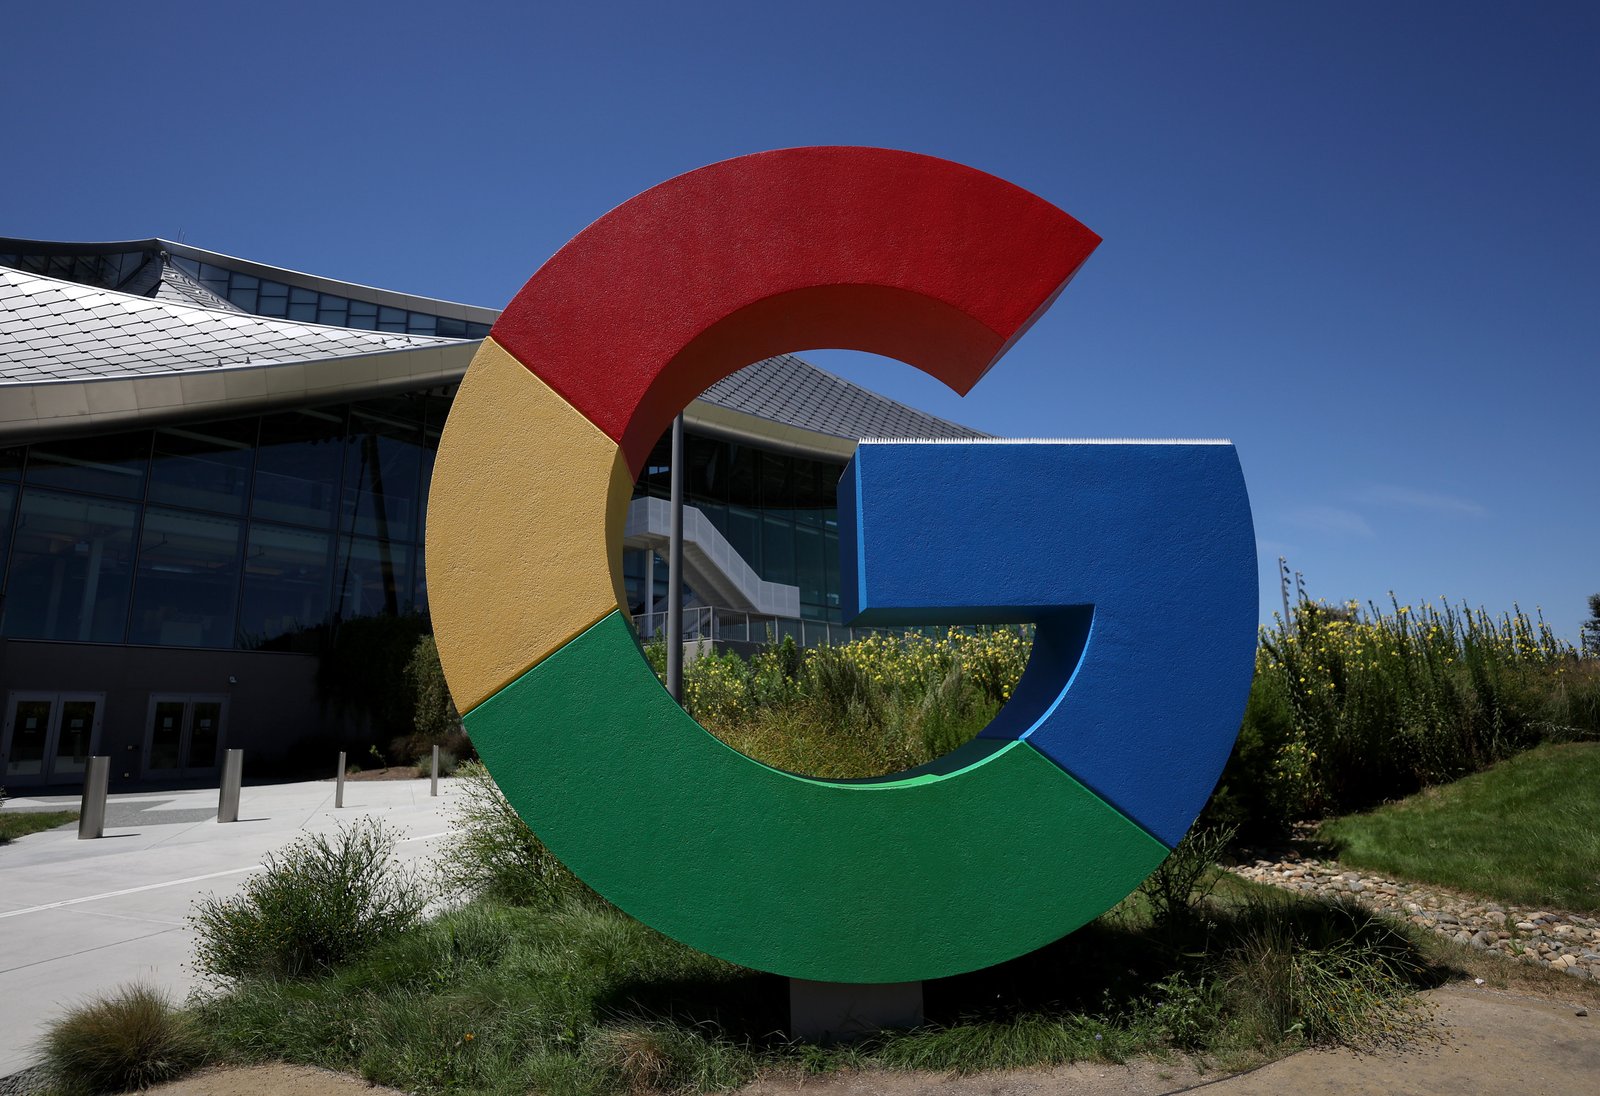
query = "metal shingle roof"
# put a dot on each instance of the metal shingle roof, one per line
(792, 391)
(57, 330)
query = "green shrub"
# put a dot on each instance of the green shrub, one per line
(130, 1040)
(362, 670)
(449, 764)
(434, 714)
(1352, 707)
(316, 903)
(490, 851)
(1178, 889)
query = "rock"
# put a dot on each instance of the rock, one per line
(1581, 1012)
(1481, 939)
(1526, 926)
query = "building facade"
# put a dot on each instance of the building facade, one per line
(213, 488)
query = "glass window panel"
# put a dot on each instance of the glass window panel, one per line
(29, 728)
(332, 313)
(418, 323)
(807, 504)
(420, 585)
(744, 476)
(188, 266)
(656, 479)
(205, 728)
(744, 533)
(426, 458)
(11, 463)
(705, 465)
(830, 559)
(75, 738)
(205, 467)
(244, 298)
(298, 466)
(363, 308)
(284, 605)
(245, 281)
(777, 486)
(273, 289)
(113, 465)
(8, 498)
(388, 315)
(777, 550)
(215, 277)
(811, 570)
(298, 295)
(372, 578)
(273, 306)
(71, 568)
(382, 462)
(451, 329)
(166, 735)
(188, 580)
(305, 313)
(477, 330)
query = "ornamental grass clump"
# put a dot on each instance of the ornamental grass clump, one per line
(130, 1039)
(317, 902)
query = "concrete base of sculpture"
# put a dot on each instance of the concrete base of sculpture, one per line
(837, 1012)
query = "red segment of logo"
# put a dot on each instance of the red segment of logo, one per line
(894, 253)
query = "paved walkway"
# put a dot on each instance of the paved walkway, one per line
(78, 918)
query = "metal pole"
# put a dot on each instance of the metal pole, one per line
(228, 799)
(338, 787)
(433, 788)
(675, 570)
(649, 592)
(92, 811)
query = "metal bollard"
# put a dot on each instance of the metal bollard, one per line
(433, 788)
(338, 788)
(232, 773)
(92, 812)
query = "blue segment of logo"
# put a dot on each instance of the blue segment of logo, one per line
(1135, 561)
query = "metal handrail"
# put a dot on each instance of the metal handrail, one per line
(722, 625)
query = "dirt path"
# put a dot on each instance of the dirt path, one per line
(271, 1080)
(1490, 1042)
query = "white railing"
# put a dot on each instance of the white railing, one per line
(709, 622)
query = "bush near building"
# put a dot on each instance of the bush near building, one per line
(1353, 707)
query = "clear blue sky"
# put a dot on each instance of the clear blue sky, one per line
(1362, 239)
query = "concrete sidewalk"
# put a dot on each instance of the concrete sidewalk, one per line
(78, 918)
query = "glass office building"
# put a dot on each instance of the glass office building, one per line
(210, 468)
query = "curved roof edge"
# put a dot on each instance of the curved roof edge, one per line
(356, 290)
(35, 412)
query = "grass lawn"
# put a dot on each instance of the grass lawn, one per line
(15, 824)
(1525, 832)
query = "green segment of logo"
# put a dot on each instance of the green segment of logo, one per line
(966, 864)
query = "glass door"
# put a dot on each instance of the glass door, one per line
(49, 737)
(184, 735)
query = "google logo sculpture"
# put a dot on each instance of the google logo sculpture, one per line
(1135, 561)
